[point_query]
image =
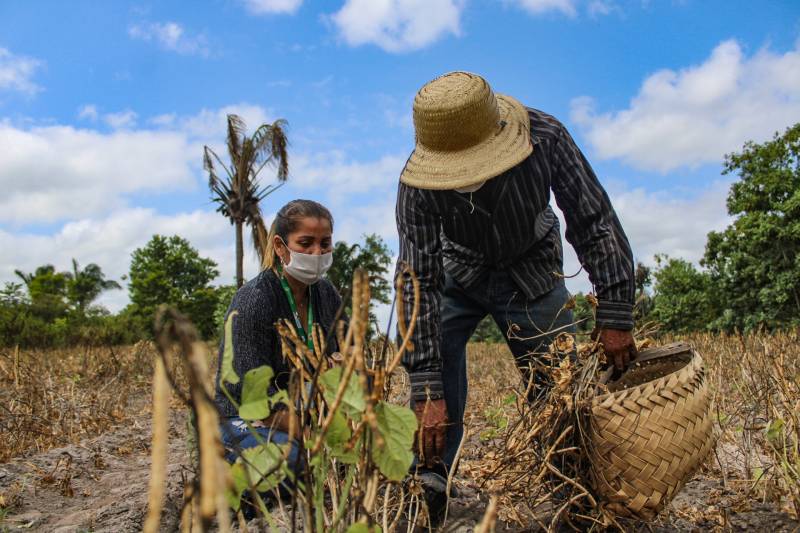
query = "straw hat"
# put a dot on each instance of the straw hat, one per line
(465, 134)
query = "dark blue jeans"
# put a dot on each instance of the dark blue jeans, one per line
(236, 437)
(529, 326)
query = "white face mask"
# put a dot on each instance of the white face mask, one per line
(470, 188)
(307, 268)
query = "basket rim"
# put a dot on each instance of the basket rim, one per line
(696, 361)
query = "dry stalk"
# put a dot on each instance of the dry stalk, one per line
(533, 464)
(171, 327)
(489, 519)
(406, 330)
(158, 464)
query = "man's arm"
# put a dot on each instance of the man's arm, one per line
(595, 232)
(420, 249)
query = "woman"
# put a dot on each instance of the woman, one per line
(290, 286)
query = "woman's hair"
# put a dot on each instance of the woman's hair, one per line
(286, 221)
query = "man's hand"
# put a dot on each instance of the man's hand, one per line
(432, 432)
(618, 345)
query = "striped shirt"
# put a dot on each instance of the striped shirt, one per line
(508, 224)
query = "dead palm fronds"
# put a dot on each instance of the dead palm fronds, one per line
(239, 193)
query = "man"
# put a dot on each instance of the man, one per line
(475, 225)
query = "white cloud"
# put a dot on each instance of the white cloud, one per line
(16, 72)
(570, 8)
(122, 120)
(333, 171)
(88, 112)
(165, 120)
(212, 123)
(170, 36)
(398, 25)
(696, 115)
(601, 7)
(57, 173)
(538, 7)
(660, 222)
(378, 218)
(109, 242)
(271, 7)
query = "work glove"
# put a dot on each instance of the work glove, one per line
(618, 345)
(432, 431)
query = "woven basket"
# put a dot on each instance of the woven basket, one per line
(650, 432)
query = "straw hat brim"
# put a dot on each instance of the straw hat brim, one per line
(507, 147)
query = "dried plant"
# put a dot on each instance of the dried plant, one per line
(51, 398)
(356, 446)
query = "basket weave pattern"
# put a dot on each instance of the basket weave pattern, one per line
(648, 440)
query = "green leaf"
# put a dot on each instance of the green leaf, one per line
(229, 375)
(397, 425)
(262, 459)
(775, 431)
(234, 494)
(510, 399)
(353, 401)
(488, 434)
(280, 397)
(338, 436)
(255, 400)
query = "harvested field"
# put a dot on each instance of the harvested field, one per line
(76, 435)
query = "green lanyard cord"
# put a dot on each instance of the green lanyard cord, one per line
(305, 333)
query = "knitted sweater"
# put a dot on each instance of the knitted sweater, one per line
(261, 302)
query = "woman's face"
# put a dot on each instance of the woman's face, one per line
(313, 236)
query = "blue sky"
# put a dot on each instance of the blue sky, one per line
(105, 107)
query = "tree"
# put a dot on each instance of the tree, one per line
(85, 285)
(57, 309)
(53, 293)
(225, 294)
(12, 294)
(754, 262)
(374, 257)
(168, 270)
(239, 193)
(583, 313)
(681, 302)
(644, 302)
(487, 331)
(47, 290)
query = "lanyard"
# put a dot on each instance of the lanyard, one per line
(305, 333)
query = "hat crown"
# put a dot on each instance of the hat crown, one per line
(455, 111)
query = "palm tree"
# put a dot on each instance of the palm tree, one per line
(87, 284)
(239, 193)
(47, 290)
(80, 287)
